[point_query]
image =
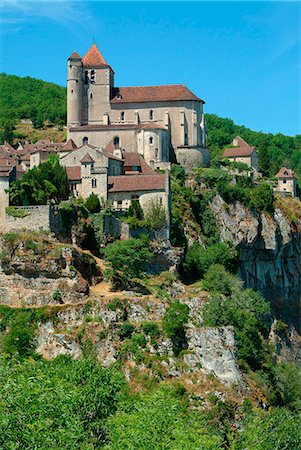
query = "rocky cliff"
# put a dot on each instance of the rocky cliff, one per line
(269, 252)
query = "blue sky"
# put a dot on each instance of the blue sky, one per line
(242, 58)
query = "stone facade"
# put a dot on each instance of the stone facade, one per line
(37, 218)
(242, 152)
(155, 121)
(287, 183)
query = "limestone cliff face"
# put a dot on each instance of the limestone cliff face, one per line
(270, 255)
(41, 271)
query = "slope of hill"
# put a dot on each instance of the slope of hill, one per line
(29, 98)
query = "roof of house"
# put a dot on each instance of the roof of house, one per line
(74, 173)
(70, 145)
(5, 170)
(87, 159)
(141, 94)
(284, 172)
(132, 183)
(134, 159)
(93, 58)
(74, 55)
(242, 149)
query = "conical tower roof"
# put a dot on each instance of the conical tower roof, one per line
(93, 58)
(74, 55)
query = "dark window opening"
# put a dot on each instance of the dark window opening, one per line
(151, 115)
(92, 76)
(116, 142)
(86, 77)
(85, 140)
(151, 140)
(91, 95)
(94, 183)
(186, 139)
(156, 152)
(122, 116)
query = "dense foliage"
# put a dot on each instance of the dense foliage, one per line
(127, 259)
(43, 183)
(274, 150)
(174, 320)
(29, 98)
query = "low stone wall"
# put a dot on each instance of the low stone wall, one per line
(36, 218)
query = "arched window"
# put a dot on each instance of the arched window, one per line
(92, 76)
(116, 142)
(85, 140)
(91, 95)
(122, 116)
(151, 140)
(151, 115)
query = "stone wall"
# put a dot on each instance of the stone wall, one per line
(36, 218)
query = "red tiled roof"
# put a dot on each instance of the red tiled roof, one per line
(141, 94)
(130, 183)
(87, 159)
(284, 172)
(131, 159)
(93, 58)
(243, 149)
(70, 145)
(74, 55)
(74, 173)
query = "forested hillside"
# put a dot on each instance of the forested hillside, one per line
(29, 98)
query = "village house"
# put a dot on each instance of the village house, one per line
(287, 182)
(242, 152)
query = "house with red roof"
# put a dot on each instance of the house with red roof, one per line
(242, 152)
(161, 123)
(287, 183)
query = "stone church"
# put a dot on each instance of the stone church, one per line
(163, 124)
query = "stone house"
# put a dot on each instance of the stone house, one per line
(162, 123)
(242, 152)
(287, 182)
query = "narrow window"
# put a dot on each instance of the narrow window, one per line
(151, 140)
(116, 142)
(284, 181)
(85, 140)
(94, 183)
(93, 76)
(151, 115)
(71, 91)
(86, 77)
(91, 95)
(156, 152)
(186, 139)
(122, 116)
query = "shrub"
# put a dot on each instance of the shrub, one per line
(174, 319)
(151, 329)
(286, 379)
(248, 313)
(198, 259)
(13, 211)
(126, 330)
(127, 260)
(217, 279)
(92, 204)
(19, 339)
(155, 215)
(262, 198)
(57, 295)
(135, 210)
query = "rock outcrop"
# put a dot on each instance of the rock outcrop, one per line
(269, 252)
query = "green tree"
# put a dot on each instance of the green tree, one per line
(174, 319)
(155, 215)
(263, 157)
(127, 260)
(92, 203)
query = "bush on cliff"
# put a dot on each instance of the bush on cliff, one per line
(174, 319)
(126, 260)
(198, 259)
(92, 204)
